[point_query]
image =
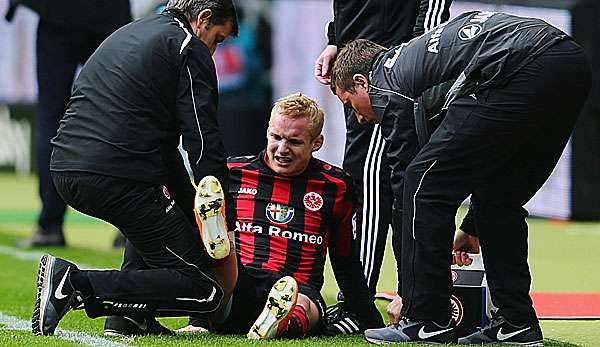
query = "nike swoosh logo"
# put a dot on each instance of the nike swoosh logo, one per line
(143, 325)
(58, 292)
(501, 336)
(425, 335)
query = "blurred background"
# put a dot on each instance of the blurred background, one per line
(273, 56)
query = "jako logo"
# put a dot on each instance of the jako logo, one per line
(469, 32)
(246, 190)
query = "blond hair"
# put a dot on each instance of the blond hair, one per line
(298, 105)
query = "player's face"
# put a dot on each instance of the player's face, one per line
(359, 101)
(289, 144)
(211, 34)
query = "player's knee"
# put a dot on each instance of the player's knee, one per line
(311, 309)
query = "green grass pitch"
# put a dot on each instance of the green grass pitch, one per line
(564, 257)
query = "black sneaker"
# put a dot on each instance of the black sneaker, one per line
(126, 326)
(340, 321)
(41, 238)
(55, 294)
(501, 331)
(413, 331)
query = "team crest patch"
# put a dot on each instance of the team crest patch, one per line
(166, 193)
(312, 201)
(457, 309)
(278, 213)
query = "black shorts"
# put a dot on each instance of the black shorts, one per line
(249, 298)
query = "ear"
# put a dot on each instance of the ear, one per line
(318, 143)
(360, 81)
(204, 15)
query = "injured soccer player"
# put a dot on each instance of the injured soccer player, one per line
(285, 210)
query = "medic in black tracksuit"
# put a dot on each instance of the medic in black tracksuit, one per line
(511, 90)
(149, 86)
(388, 23)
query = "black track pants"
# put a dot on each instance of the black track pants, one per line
(500, 145)
(365, 160)
(175, 283)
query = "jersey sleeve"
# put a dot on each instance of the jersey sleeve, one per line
(346, 264)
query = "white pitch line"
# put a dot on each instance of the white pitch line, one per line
(14, 323)
(30, 255)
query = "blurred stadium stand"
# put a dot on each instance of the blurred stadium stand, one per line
(294, 31)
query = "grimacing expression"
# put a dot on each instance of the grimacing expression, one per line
(289, 144)
(358, 100)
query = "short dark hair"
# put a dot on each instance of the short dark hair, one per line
(355, 58)
(222, 11)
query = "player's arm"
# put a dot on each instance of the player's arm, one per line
(196, 108)
(346, 264)
(431, 14)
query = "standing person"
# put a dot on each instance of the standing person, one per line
(503, 132)
(149, 86)
(69, 31)
(388, 23)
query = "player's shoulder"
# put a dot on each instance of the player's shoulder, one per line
(330, 172)
(241, 161)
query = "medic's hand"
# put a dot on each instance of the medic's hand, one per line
(324, 64)
(464, 244)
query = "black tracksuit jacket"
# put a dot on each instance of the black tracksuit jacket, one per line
(473, 51)
(386, 22)
(148, 85)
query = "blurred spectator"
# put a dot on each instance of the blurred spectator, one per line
(69, 31)
(245, 92)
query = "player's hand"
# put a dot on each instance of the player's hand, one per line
(463, 245)
(324, 64)
(393, 310)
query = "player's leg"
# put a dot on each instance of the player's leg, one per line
(308, 316)
(365, 160)
(287, 317)
(178, 283)
(276, 313)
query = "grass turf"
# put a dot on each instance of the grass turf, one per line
(563, 257)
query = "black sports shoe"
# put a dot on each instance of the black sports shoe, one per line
(125, 326)
(42, 238)
(413, 331)
(339, 321)
(55, 294)
(501, 331)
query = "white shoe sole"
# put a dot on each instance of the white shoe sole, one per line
(209, 208)
(280, 303)
(44, 274)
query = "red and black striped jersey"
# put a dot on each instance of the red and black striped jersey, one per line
(286, 224)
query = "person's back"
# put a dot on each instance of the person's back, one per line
(124, 112)
(488, 47)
